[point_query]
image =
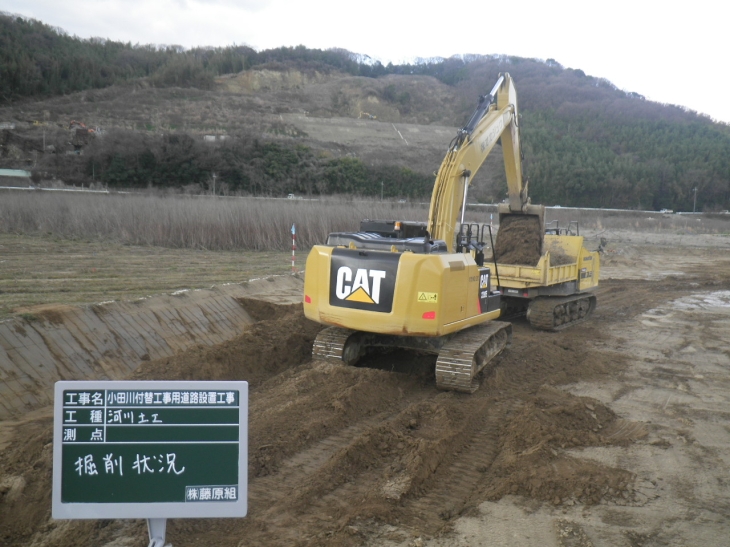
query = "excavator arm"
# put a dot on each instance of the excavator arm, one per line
(495, 118)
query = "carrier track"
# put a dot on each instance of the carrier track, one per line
(553, 313)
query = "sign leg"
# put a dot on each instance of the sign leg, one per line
(156, 531)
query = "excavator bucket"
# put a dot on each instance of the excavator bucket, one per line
(520, 236)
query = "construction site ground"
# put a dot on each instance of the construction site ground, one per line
(611, 433)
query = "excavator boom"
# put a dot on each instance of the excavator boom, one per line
(495, 118)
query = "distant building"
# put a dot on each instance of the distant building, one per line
(15, 177)
(14, 173)
(214, 138)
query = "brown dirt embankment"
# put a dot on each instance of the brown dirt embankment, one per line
(332, 448)
(266, 349)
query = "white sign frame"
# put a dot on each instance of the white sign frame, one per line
(151, 510)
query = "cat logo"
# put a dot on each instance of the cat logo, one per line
(486, 304)
(363, 280)
(365, 288)
(484, 280)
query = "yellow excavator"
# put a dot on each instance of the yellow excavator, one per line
(427, 286)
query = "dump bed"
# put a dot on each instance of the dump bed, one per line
(564, 260)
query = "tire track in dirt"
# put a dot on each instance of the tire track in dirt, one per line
(266, 492)
(310, 494)
(454, 487)
(270, 496)
(393, 481)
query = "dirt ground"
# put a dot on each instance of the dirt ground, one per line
(611, 433)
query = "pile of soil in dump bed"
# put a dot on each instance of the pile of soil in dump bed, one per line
(519, 240)
(561, 259)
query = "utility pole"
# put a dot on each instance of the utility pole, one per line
(694, 207)
(213, 183)
(381, 190)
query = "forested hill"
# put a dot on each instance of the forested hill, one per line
(586, 142)
(37, 59)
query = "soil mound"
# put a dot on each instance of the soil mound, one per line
(281, 338)
(519, 240)
(531, 462)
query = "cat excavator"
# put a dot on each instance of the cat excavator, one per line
(427, 286)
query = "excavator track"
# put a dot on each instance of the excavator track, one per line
(330, 344)
(462, 356)
(467, 353)
(553, 313)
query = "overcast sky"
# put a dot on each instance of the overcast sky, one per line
(670, 52)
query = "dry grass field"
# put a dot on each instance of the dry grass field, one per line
(44, 269)
(71, 248)
(193, 222)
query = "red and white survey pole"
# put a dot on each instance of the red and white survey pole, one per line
(293, 247)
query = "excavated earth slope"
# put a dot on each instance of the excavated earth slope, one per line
(108, 341)
(376, 456)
